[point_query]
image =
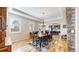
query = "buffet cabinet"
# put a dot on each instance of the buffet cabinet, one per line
(3, 18)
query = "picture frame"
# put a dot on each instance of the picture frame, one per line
(57, 26)
(64, 26)
(15, 26)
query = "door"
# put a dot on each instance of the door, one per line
(2, 26)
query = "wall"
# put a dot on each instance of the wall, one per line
(77, 29)
(24, 27)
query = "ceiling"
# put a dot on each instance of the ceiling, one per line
(40, 13)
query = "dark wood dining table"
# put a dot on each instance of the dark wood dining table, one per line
(42, 40)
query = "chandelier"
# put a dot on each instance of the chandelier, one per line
(43, 23)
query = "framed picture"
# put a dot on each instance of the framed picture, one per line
(64, 26)
(15, 26)
(57, 26)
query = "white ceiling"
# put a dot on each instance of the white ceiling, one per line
(50, 13)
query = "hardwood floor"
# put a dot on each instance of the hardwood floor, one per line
(57, 45)
(23, 46)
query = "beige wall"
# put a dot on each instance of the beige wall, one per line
(24, 27)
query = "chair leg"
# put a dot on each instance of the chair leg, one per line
(40, 44)
(36, 43)
(33, 41)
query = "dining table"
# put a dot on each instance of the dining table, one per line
(41, 40)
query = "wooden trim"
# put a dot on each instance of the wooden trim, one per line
(6, 49)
